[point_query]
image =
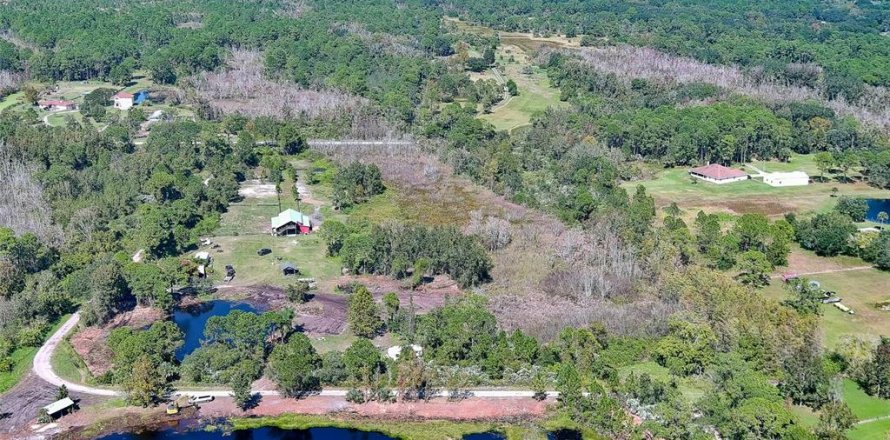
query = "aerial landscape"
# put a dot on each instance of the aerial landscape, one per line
(444, 220)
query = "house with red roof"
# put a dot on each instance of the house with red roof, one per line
(719, 174)
(56, 105)
(123, 100)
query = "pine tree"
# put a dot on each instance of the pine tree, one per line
(363, 316)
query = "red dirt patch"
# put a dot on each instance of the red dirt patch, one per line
(90, 342)
(768, 207)
(468, 409)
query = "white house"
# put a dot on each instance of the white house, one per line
(794, 178)
(719, 174)
(123, 100)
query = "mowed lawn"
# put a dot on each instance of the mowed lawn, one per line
(244, 230)
(860, 290)
(873, 413)
(11, 100)
(535, 92)
(750, 196)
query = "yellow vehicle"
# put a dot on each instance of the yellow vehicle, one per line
(172, 408)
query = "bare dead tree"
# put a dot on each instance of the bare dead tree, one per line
(23, 207)
(243, 88)
(10, 80)
(629, 62)
(494, 232)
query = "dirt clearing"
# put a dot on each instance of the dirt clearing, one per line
(19, 406)
(257, 189)
(325, 312)
(90, 342)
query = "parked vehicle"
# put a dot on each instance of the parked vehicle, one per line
(202, 399)
(264, 251)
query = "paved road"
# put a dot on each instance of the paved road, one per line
(43, 368)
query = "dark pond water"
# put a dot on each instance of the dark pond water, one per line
(875, 206)
(191, 321)
(485, 436)
(254, 434)
(564, 434)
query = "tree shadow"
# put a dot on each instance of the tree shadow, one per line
(254, 401)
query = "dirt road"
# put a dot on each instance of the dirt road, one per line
(43, 367)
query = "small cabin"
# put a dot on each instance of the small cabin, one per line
(291, 222)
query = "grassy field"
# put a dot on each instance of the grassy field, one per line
(873, 413)
(21, 361)
(535, 93)
(675, 185)
(860, 290)
(244, 229)
(68, 364)
(11, 100)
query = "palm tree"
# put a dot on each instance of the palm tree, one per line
(883, 217)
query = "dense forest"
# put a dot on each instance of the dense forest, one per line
(808, 79)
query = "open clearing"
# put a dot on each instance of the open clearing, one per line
(535, 93)
(873, 413)
(750, 196)
(858, 289)
(513, 59)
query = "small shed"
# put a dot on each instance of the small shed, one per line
(60, 407)
(291, 222)
(289, 269)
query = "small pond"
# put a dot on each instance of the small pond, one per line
(564, 434)
(254, 434)
(875, 206)
(191, 321)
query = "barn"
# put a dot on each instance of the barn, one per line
(291, 222)
(719, 174)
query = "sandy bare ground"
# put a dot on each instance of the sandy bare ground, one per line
(90, 342)
(256, 189)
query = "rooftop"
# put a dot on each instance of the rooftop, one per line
(56, 102)
(59, 405)
(288, 216)
(718, 172)
(123, 95)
